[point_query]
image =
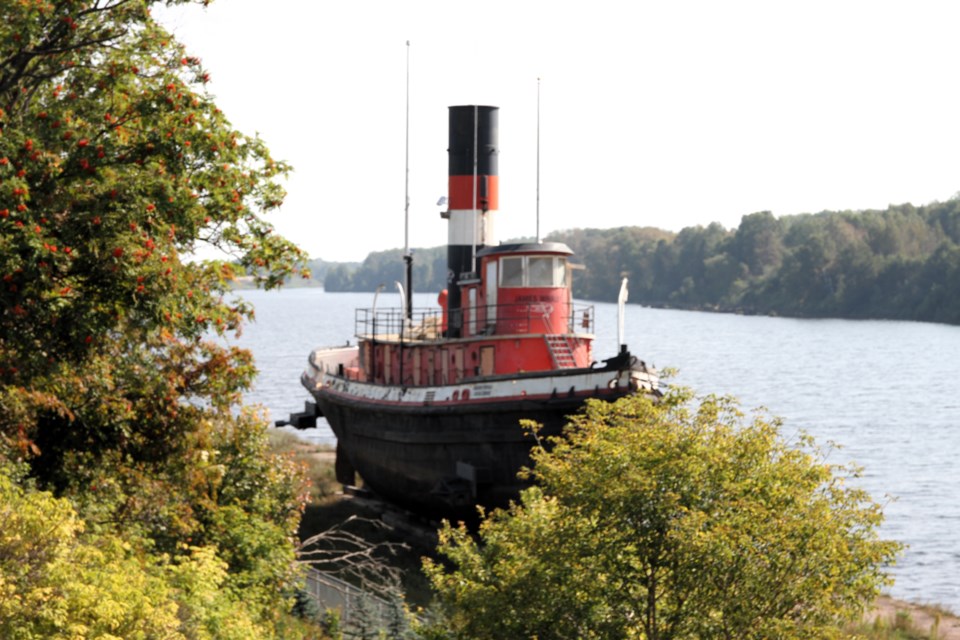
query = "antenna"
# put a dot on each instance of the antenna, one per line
(407, 256)
(406, 185)
(538, 160)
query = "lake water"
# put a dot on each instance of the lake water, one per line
(887, 392)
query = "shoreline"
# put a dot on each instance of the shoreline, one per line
(930, 619)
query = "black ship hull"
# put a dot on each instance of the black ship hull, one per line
(443, 460)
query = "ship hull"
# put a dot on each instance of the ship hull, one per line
(442, 450)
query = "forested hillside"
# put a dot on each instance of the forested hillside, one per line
(899, 263)
(387, 267)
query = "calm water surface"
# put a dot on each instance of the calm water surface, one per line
(888, 393)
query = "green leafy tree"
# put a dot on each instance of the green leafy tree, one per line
(114, 163)
(669, 521)
(757, 243)
(339, 278)
(117, 173)
(58, 581)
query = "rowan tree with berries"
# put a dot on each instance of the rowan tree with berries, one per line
(116, 170)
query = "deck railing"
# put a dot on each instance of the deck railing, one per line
(426, 325)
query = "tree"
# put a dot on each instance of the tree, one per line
(758, 242)
(386, 267)
(58, 581)
(669, 521)
(116, 171)
(114, 163)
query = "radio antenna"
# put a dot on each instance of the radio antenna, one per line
(538, 160)
(407, 255)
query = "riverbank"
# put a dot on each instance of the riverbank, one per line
(919, 620)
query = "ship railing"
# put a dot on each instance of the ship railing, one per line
(392, 324)
(525, 318)
(582, 318)
(427, 325)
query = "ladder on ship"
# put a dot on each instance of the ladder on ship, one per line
(560, 351)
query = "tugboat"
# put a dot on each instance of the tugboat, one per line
(427, 406)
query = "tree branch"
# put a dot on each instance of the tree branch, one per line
(353, 557)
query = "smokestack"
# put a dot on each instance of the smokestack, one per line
(473, 195)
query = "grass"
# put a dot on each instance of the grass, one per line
(903, 625)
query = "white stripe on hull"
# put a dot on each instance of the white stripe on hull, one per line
(477, 390)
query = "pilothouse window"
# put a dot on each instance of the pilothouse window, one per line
(560, 272)
(533, 271)
(541, 272)
(511, 272)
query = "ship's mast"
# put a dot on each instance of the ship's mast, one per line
(407, 255)
(538, 160)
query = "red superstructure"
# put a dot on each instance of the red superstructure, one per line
(518, 319)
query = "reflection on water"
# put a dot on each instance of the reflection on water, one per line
(887, 392)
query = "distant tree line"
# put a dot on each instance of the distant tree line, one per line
(898, 263)
(387, 267)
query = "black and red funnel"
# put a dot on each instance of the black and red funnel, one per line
(473, 193)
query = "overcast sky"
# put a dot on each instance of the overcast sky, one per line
(665, 114)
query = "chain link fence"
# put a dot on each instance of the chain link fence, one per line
(361, 614)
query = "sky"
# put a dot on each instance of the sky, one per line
(663, 114)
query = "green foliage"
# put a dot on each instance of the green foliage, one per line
(669, 520)
(387, 267)
(56, 581)
(209, 609)
(364, 624)
(319, 270)
(114, 162)
(901, 263)
(117, 410)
